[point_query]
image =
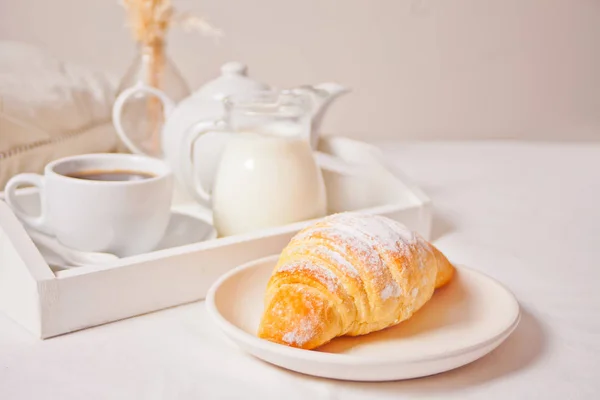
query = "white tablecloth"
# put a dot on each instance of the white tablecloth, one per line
(527, 214)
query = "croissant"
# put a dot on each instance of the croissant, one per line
(349, 274)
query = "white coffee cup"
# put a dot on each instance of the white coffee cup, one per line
(123, 217)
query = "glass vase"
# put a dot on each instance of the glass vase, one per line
(142, 115)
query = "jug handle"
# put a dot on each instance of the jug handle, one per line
(186, 162)
(124, 97)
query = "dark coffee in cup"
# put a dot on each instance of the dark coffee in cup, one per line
(111, 176)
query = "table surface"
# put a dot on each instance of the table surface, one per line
(527, 214)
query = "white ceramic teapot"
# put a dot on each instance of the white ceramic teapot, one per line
(206, 104)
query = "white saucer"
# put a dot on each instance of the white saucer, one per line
(461, 323)
(184, 228)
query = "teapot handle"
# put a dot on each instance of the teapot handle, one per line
(124, 97)
(186, 162)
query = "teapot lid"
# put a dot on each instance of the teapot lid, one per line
(233, 80)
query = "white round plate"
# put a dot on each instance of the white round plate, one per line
(462, 322)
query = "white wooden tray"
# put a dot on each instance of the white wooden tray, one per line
(49, 304)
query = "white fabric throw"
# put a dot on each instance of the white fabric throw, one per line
(49, 109)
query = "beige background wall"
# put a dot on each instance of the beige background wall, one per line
(420, 69)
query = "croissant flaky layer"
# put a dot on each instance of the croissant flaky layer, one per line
(349, 274)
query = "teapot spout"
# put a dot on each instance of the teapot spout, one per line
(323, 96)
(328, 92)
(334, 89)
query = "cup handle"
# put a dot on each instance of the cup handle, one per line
(124, 97)
(193, 134)
(37, 222)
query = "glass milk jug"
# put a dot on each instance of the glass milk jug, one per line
(267, 175)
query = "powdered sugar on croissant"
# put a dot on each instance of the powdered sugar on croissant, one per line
(349, 274)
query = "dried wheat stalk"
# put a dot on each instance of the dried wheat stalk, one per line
(149, 21)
